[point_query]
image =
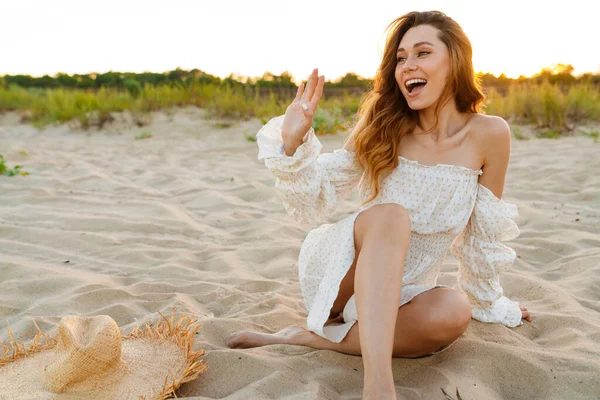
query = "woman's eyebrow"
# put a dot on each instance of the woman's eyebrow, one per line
(416, 45)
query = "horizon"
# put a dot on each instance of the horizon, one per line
(294, 78)
(65, 36)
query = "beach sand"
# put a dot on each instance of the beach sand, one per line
(106, 224)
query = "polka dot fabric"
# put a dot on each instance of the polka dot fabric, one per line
(482, 256)
(448, 209)
(308, 188)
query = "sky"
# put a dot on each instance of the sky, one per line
(249, 38)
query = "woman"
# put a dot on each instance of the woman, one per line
(431, 169)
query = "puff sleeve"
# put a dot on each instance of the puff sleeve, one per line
(482, 256)
(309, 183)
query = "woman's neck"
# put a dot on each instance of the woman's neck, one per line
(450, 121)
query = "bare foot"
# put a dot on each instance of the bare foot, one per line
(249, 339)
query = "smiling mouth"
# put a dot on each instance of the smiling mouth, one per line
(415, 85)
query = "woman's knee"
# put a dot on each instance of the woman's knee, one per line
(454, 317)
(388, 218)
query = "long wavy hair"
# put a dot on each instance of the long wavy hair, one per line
(384, 116)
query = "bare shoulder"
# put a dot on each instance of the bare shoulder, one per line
(493, 136)
(491, 130)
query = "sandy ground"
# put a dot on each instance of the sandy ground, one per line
(190, 218)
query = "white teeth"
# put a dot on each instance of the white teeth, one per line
(413, 81)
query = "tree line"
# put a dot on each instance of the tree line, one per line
(561, 74)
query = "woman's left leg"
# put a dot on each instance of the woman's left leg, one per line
(431, 320)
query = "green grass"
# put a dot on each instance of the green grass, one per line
(144, 135)
(549, 134)
(5, 170)
(546, 106)
(583, 103)
(327, 120)
(518, 133)
(223, 125)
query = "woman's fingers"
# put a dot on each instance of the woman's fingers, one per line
(525, 313)
(310, 85)
(310, 93)
(318, 92)
(299, 92)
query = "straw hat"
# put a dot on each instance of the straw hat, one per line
(89, 359)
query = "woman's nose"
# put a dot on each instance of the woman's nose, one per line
(409, 64)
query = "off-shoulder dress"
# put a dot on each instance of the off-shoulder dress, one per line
(449, 210)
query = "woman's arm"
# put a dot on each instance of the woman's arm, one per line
(482, 255)
(494, 140)
(309, 183)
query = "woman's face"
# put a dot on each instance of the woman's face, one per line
(422, 56)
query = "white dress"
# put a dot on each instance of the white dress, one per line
(448, 208)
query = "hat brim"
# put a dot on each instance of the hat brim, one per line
(156, 361)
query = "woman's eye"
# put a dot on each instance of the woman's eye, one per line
(402, 59)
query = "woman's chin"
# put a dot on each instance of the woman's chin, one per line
(417, 103)
(417, 106)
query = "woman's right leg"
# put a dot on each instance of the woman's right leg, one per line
(346, 289)
(382, 235)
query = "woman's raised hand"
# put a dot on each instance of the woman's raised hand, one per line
(299, 115)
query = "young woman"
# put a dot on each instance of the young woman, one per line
(431, 169)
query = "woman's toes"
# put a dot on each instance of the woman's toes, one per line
(248, 339)
(233, 340)
(240, 339)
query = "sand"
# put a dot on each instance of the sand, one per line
(106, 224)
